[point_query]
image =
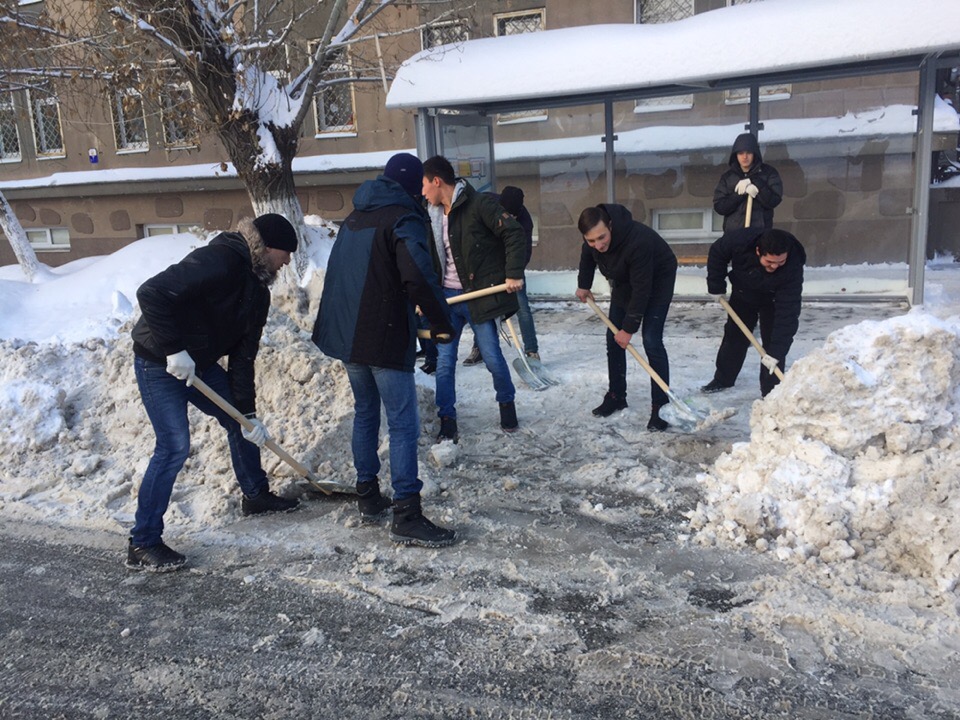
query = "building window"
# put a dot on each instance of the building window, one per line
(687, 224)
(444, 33)
(176, 116)
(49, 239)
(9, 133)
(518, 23)
(129, 122)
(650, 12)
(47, 134)
(333, 102)
(158, 229)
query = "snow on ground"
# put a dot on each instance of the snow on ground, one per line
(822, 521)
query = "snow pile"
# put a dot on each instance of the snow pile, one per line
(856, 455)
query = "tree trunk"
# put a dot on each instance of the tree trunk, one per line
(22, 248)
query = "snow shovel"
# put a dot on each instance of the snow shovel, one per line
(685, 414)
(732, 313)
(323, 486)
(530, 369)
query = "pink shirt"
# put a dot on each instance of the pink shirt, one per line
(450, 278)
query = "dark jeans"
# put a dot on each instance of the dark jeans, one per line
(734, 346)
(528, 331)
(429, 347)
(651, 330)
(165, 399)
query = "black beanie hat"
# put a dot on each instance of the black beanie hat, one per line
(407, 170)
(512, 199)
(276, 232)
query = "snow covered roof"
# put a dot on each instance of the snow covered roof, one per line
(758, 41)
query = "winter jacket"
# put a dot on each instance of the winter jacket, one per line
(755, 286)
(526, 222)
(210, 304)
(733, 207)
(378, 271)
(636, 257)
(488, 247)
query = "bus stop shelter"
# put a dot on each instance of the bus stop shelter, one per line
(457, 90)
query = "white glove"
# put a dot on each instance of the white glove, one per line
(769, 362)
(741, 187)
(752, 190)
(257, 434)
(182, 366)
(718, 296)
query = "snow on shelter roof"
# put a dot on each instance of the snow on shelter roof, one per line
(757, 40)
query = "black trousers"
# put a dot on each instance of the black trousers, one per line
(734, 346)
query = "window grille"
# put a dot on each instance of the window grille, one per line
(129, 122)
(9, 134)
(446, 33)
(47, 134)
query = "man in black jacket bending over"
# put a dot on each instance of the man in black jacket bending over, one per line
(766, 275)
(211, 304)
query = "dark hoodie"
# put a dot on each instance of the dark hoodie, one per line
(753, 285)
(732, 206)
(379, 269)
(639, 265)
(211, 304)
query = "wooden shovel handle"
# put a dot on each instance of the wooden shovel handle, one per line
(493, 290)
(245, 423)
(633, 351)
(746, 331)
(746, 222)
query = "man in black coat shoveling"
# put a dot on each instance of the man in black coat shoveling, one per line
(211, 304)
(766, 276)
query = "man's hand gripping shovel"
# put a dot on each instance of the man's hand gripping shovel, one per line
(323, 486)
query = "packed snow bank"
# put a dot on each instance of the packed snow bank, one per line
(855, 455)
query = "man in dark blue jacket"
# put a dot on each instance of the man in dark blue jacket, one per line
(766, 275)
(211, 304)
(642, 271)
(379, 270)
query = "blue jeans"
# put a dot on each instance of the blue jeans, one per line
(398, 392)
(651, 330)
(488, 340)
(165, 399)
(525, 319)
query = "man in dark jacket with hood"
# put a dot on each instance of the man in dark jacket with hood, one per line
(211, 304)
(766, 275)
(642, 270)
(747, 176)
(379, 270)
(476, 244)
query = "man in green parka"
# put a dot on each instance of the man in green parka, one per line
(476, 244)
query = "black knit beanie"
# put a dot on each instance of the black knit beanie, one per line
(276, 232)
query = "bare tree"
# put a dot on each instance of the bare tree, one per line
(235, 55)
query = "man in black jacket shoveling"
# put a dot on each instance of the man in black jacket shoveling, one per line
(211, 304)
(766, 275)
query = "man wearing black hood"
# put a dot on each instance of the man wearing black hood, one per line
(747, 176)
(211, 304)
(642, 270)
(766, 274)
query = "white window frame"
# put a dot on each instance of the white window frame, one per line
(193, 139)
(49, 239)
(335, 131)
(688, 235)
(8, 109)
(121, 120)
(768, 93)
(52, 100)
(522, 116)
(154, 229)
(457, 24)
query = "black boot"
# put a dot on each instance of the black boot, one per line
(714, 386)
(611, 404)
(410, 527)
(267, 502)
(155, 558)
(508, 417)
(657, 424)
(474, 357)
(372, 505)
(448, 430)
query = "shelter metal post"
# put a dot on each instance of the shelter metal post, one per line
(922, 175)
(609, 159)
(426, 133)
(754, 126)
